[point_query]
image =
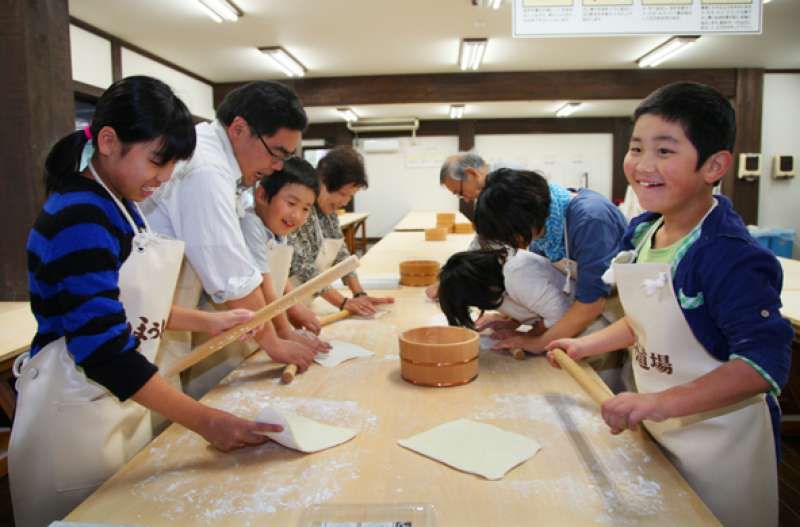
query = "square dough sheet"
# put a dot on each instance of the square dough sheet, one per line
(303, 434)
(477, 448)
(340, 352)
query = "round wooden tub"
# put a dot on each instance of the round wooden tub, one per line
(439, 355)
(437, 234)
(419, 272)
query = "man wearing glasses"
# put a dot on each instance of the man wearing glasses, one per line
(258, 126)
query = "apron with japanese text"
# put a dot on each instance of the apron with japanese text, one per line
(727, 455)
(70, 434)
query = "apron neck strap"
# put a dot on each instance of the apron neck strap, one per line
(121, 207)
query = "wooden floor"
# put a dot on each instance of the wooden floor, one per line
(788, 474)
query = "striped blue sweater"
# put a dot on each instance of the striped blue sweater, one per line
(75, 250)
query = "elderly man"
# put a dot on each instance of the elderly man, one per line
(464, 174)
(258, 127)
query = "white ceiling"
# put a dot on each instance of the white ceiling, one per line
(384, 37)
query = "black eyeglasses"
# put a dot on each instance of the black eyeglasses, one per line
(284, 157)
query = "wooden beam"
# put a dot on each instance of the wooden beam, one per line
(38, 108)
(86, 91)
(500, 86)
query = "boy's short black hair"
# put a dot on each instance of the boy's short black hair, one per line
(342, 166)
(707, 118)
(295, 170)
(512, 205)
(265, 105)
(471, 278)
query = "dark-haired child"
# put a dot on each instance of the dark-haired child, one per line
(101, 286)
(320, 242)
(523, 286)
(282, 203)
(709, 348)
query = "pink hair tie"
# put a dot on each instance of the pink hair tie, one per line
(87, 131)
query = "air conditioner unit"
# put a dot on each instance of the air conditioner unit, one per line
(401, 124)
(379, 146)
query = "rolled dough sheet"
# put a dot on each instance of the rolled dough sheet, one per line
(303, 434)
(477, 448)
(341, 352)
(380, 281)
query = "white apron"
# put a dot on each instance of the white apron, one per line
(327, 253)
(728, 455)
(70, 434)
(279, 256)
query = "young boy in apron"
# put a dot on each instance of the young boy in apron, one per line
(281, 205)
(101, 286)
(319, 243)
(709, 348)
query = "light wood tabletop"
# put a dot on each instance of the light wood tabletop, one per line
(419, 220)
(385, 256)
(349, 218)
(17, 328)
(582, 475)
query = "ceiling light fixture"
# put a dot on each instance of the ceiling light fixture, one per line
(347, 114)
(568, 109)
(221, 10)
(494, 4)
(470, 54)
(285, 61)
(665, 51)
(456, 111)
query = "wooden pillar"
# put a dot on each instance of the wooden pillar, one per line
(748, 105)
(623, 128)
(38, 108)
(466, 142)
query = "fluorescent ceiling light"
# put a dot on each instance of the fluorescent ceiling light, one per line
(494, 4)
(287, 63)
(567, 109)
(347, 114)
(220, 10)
(665, 51)
(456, 111)
(471, 53)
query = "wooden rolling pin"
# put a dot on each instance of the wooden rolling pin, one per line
(263, 315)
(291, 369)
(600, 394)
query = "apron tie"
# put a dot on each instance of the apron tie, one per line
(652, 285)
(19, 364)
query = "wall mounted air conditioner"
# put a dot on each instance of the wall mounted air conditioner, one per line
(401, 124)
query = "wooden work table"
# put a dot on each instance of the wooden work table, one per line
(582, 476)
(350, 223)
(419, 220)
(385, 256)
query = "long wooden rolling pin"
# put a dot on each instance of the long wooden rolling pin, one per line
(599, 394)
(264, 314)
(291, 369)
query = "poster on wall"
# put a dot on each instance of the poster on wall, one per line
(577, 18)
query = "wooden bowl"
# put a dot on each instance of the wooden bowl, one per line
(439, 355)
(463, 228)
(437, 234)
(419, 272)
(447, 227)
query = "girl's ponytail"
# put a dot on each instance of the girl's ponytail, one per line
(62, 161)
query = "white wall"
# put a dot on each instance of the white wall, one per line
(405, 180)
(197, 95)
(91, 58)
(562, 158)
(778, 198)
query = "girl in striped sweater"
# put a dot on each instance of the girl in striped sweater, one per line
(101, 287)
